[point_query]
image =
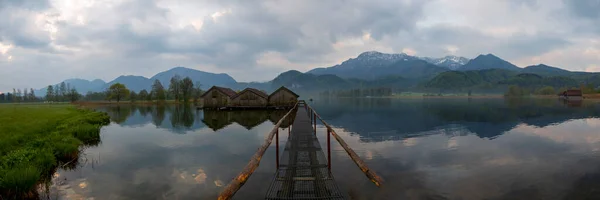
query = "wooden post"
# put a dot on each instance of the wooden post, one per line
(315, 122)
(328, 149)
(277, 148)
(376, 179)
(289, 130)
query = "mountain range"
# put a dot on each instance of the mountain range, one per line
(375, 69)
(138, 83)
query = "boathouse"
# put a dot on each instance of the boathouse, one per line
(572, 95)
(250, 98)
(217, 97)
(283, 97)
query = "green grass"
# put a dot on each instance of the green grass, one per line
(36, 138)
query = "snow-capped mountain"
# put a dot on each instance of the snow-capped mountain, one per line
(375, 56)
(373, 64)
(450, 62)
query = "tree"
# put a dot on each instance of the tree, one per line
(25, 95)
(133, 96)
(32, 95)
(74, 95)
(18, 95)
(118, 91)
(143, 95)
(186, 87)
(548, 90)
(63, 91)
(175, 87)
(57, 96)
(50, 93)
(95, 96)
(197, 92)
(158, 91)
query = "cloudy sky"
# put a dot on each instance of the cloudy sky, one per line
(46, 41)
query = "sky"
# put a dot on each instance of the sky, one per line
(46, 41)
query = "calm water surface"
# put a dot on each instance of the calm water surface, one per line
(423, 148)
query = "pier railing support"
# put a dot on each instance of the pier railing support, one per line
(329, 149)
(315, 122)
(376, 179)
(277, 148)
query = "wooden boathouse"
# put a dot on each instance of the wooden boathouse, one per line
(250, 97)
(217, 97)
(571, 95)
(283, 97)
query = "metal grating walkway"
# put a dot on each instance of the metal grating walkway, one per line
(302, 171)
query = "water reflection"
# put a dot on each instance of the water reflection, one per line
(186, 118)
(423, 148)
(388, 119)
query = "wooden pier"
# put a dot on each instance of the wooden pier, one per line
(303, 171)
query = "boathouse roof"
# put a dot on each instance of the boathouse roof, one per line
(572, 93)
(227, 91)
(253, 90)
(284, 88)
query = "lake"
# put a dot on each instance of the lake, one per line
(437, 148)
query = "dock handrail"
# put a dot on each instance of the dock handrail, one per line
(243, 176)
(376, 179)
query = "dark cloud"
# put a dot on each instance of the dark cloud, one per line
(584, 8)
(587, 13)
(435, 40)
(529, 3)
(238, 37)
(19, 28)
(27, 4)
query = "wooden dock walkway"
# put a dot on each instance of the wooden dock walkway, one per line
(303, 171)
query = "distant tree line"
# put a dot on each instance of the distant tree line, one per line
(179, 90)
(62, 92)
(372, 92)
(515, 90)
(18, 96)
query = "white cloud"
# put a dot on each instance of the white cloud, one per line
(104, 39)
(4, 48)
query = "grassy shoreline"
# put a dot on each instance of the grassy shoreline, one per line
(35, 139)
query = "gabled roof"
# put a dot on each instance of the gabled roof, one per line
(227, 91)
(572, 93)
(284, 88)
(255, 91)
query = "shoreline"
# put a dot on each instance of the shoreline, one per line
(148, 103)
(38, 139)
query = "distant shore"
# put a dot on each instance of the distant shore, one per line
(101, 103)
(487, 96)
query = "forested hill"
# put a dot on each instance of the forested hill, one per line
(400, 72)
